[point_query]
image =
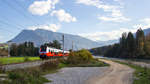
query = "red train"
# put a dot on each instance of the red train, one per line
(48, 52)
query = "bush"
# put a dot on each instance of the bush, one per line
(26, 59)
(1, 69)
(50, 65)
(82, 56)
(26, 76)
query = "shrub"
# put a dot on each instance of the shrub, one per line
(50, 65)
(26, 76)
(14, 75)
(82, 56)
(1, 69)
(26, 59)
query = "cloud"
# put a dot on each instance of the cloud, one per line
(145, 25)
(105, 36)
(116, 16)
(63, 16)
(98, 4)
(146, 20)
(42, 7)
(51, 27)
(116, 34)
(89, 2)
(114, 10)
(113, 19)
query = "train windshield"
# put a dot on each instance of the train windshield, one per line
(43, 49)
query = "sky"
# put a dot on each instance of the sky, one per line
(98, 20)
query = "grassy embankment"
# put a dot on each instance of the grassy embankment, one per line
(141, 74)
(11, 60)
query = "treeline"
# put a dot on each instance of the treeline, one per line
(100, 51)
(131, 46)
(29, 49)
(24, 49)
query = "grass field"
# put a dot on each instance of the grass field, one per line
(10, 60)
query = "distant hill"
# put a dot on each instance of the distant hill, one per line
(146, 31)
(109, 42)
(40, 37)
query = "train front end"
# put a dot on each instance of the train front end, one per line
(43, 52)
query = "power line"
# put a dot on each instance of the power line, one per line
(17, 10)
(18, 26)
(6, 30)
(6, 23)
(25, 9)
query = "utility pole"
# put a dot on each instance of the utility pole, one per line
(63, 44)
(72, 45)
(9, 44)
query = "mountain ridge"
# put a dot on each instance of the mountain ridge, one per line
(40, 37)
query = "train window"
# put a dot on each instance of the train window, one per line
(43, 48)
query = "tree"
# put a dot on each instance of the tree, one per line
(24, 49)
(140, 39)
(123, 43)
(130, 45)
(13, 50)
(147, 46)
(54, 44)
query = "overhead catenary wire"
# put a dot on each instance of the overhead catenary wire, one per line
(19, 11)
(25, 10)
(1, 28)
(6, 23)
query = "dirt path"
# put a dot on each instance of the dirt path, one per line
(117, 74)
(75, 75)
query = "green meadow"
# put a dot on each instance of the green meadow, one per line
(11, 60)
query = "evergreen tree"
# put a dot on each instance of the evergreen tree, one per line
(56, 44)
(130, 45)
(140, 39)
(123, 46)
(24, 49)
(147, 46)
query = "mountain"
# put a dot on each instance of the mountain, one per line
(109, 42)
(146, 31)
(40, 37)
